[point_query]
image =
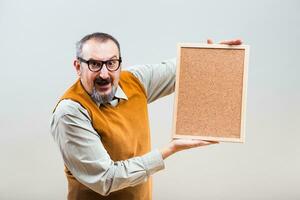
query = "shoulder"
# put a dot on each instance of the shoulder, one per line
(71, 108)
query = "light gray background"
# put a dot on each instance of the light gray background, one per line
(36, 50)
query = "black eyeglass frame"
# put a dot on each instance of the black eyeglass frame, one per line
(101, 63)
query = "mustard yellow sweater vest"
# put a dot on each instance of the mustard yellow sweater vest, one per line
(124, 132)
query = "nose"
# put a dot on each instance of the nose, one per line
(104, 72)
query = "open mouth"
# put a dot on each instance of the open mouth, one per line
(103, 84)
(103, 88)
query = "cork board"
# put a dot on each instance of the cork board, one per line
(210, 94)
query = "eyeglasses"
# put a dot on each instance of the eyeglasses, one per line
(96, 65)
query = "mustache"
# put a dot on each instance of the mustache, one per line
(102, 81)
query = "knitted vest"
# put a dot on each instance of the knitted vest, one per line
(124, 132)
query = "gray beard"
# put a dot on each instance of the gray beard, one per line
(103, 99)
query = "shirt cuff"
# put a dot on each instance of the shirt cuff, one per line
(153, 162)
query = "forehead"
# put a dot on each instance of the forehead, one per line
(99, 50)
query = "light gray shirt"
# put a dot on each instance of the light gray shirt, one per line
(81, 147)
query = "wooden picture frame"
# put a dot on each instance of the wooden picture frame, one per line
(210, 92)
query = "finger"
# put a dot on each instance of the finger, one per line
(204, 142)
(210, 41)
(212, 142)
(232, 42)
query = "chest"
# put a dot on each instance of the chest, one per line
(124, 129)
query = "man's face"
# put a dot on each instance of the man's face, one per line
(101, 84)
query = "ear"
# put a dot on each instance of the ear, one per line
(76, 64)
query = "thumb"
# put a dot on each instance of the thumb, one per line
(210, 41)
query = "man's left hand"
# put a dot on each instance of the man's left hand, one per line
(228, 42)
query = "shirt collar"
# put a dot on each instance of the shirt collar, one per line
(120, 94)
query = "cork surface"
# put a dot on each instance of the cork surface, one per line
(210, 91)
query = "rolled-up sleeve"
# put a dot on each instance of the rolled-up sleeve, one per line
(85, 156)
(157, 79)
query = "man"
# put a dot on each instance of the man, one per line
(101, 123)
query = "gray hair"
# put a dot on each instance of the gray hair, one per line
(102, 37)
(103, 99)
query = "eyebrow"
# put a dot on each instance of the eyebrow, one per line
(113, 57)
(104, 60)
